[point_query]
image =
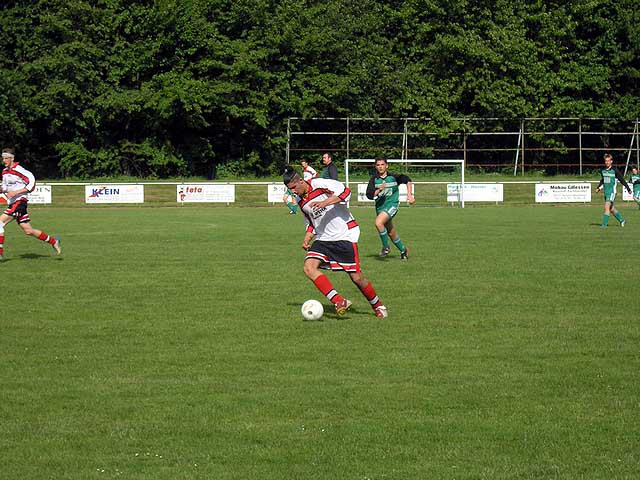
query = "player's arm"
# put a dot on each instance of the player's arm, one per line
(308, 237)
(13, 193)
(622, 180)
(331, 200)
(336, 192)
(371, 188)
(406, 179)
(410, 198)
(600, 183)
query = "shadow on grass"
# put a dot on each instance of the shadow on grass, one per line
(37, 256)
(330, 314)
(614, 225)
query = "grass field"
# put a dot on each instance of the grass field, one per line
(167, 343)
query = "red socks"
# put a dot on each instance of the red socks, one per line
(323, 284)
(371, 295)
(46, 238)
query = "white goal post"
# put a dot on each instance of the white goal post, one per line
(430, 161)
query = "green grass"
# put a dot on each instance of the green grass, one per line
(167, 343)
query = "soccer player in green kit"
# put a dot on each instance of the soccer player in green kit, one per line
(383, 188)
(608, 175)
(635, 180)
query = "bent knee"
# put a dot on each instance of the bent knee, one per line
(310, 269)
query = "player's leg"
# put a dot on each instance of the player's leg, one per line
(607, 213)
(293, 208)
(369, 293)
(324, 285)
(40, 235)
(395, 238)
(4, 220)
(381, 225)
(614, 211)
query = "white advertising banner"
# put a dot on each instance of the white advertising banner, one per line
(275, 192)
(114, 193)
(205, 193)
(563, 192)
(476, 192)
(625, 195)
(362, 192)
(40, 194)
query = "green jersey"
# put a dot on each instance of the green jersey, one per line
(608, 177)
(635, 180)
(390, 196)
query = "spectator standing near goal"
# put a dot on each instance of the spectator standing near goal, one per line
(383, 187)
(329, 170)
(308, 172)
(323, 203)
(17, 183)
(635, 181)
(608, 176)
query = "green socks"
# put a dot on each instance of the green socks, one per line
(618, 217)
(398, 243)
(384, 238)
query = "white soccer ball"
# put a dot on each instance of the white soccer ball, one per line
(312, 310)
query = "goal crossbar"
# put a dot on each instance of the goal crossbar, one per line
(428, 161)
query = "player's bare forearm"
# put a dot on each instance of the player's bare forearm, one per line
(325, 203)
(306, 243)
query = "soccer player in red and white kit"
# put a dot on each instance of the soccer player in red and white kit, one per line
(308, 172)
(323, 203)
(17, 182)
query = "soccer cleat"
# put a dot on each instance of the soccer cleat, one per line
(622, 223)
(384, 252)
(342, 306)
(56, 245)
(405, 255)
(382, 312)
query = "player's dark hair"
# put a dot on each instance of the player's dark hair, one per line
(289, 174)
(381, 159)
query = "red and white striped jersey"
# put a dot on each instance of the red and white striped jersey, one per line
(15, 178)
(334, 222)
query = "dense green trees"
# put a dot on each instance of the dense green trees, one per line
(170, 87)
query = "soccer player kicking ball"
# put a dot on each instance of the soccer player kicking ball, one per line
(17, 182)
(635, 181)
(383, 187)
(608, 176)
(323, 203)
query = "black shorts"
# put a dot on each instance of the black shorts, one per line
(18, 211)
(340, 255)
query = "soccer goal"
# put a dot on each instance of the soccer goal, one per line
(352, 164)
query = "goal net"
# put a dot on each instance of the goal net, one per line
(422, 171)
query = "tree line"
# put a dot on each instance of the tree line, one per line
(193, 87)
